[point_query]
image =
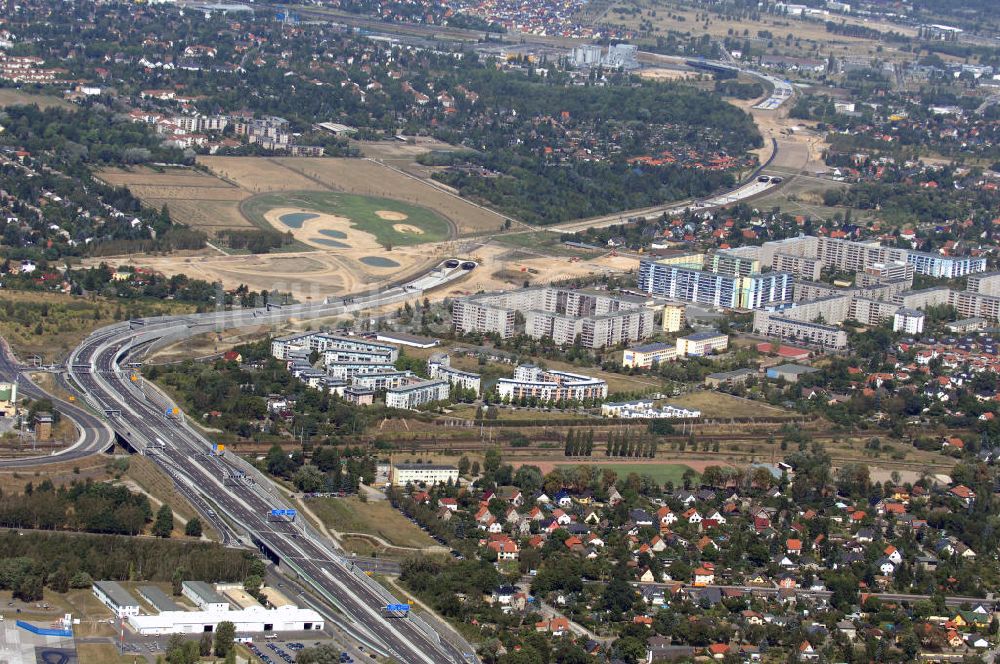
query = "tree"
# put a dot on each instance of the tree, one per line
(252, 585)
(205, 645)
(29, 588)
(225, 634)
(164, 524)
(463, 465)
(193, 528)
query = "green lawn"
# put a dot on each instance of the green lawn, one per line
(377, 517)
(359, 209)
(661, 472)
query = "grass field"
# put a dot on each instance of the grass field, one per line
(661, 472)
(350, 515)
(51, 324)
(363, 211)
(717, 404)
(11, 97)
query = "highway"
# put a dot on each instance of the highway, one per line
(227, 490)
(95, 435)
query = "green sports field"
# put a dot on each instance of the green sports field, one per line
(361, 210)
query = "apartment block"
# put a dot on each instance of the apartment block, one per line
(439, 366)
(734, 265)
(673, 317)
(985, 283)
(599, 319)
(800, 267)
(772, 324)
(530, 381)
(712, 289)
(417, 394)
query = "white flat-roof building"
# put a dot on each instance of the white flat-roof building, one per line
(204, 596)
(422, 473)
(112, 595)
(417, 394)
(530, 381)
(254, 619)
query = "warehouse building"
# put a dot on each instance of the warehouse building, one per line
(255, 619)
(204, 596)
(158, 599)
(112, 595)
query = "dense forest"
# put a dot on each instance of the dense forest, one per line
(92, 507)
(31, 560)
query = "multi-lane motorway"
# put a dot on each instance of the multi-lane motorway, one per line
(228, 491)
(95, 435)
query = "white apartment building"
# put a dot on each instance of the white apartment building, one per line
(439, 366)
(417, 394)
(530, 381)
(402, 474)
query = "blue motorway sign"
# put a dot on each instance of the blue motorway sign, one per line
(290, 513)
(397, 607)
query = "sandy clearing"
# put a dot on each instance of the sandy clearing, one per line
(389, 215)
(407, 228)
(339, 230)
(662, 74)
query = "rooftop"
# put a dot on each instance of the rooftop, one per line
(116, 593)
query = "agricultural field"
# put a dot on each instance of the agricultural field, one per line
(194, 198)
(346, 220)
(376, 518)
(52, 324)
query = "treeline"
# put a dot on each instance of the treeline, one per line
(582, 445)
(627, 444)
(734, 88)
(256, 241)
(93, 507)
(864, 32)
(32, 560)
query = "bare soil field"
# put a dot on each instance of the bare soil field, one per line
(256, 175)
(402, 151)
(664, 74)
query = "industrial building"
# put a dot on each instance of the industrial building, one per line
(158, 599)
(417, 394)
(112, 595)
(204, 596)
(252, 620)
(402, 474)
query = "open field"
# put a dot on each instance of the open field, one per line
(356, 222)
(717, 404)
(51, 324)
(350, 515)
(370, 178)
(194, 198)
(661, 472)
(150, 479)
(96, 468)
(12, 97)
(809, 37)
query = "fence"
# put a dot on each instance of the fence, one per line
(44, 631)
